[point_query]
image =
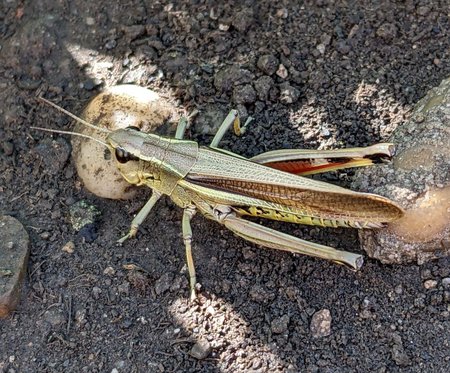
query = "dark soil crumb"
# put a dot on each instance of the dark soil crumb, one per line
(313, 74)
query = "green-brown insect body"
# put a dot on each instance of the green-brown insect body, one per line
(224, 187)
(218, 178)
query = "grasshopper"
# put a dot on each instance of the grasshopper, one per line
(226, 187)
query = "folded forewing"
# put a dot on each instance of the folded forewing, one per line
(235, 175)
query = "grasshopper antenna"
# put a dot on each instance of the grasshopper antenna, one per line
(69, 133)
(73, 116)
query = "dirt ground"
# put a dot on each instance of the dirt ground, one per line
(351, 72)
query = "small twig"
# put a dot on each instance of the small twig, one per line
(19, 196)
(69, 318)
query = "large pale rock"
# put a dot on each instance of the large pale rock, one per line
(419, 180)
(116, 107)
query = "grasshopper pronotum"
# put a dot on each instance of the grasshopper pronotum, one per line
(224, 187)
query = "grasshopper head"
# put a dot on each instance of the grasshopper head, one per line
(138, 155)
(125, 146)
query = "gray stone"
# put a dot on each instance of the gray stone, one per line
(288, 94)
(430, 284)
(321, 323)
(446, 282)
(200, 350)
(14, 252)
(418, 179)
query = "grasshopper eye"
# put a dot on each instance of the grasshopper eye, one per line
(122, 155)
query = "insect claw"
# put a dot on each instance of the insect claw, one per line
(132, 233)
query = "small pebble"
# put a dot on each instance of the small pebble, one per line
(288, 94)
(224, 27)
(321, 324)
(430, 284)
(325, 132)
(120, 364)
(343, 47)
(321, 48)
(398, 289)
(282, 72)
(69, 247)
(387, 31)
(446, 282)
(133, 32)
(258, 293)
(447, 298)
(231, 76)
(88, 85)
(325, 39)
(54, 154)
(200, 350)
(111, 44)
(210, 310)
(45, 235)
(109, 271)
(96, 291)
(282, 13)
(80, 316)
(88, 233)
(425, 274)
